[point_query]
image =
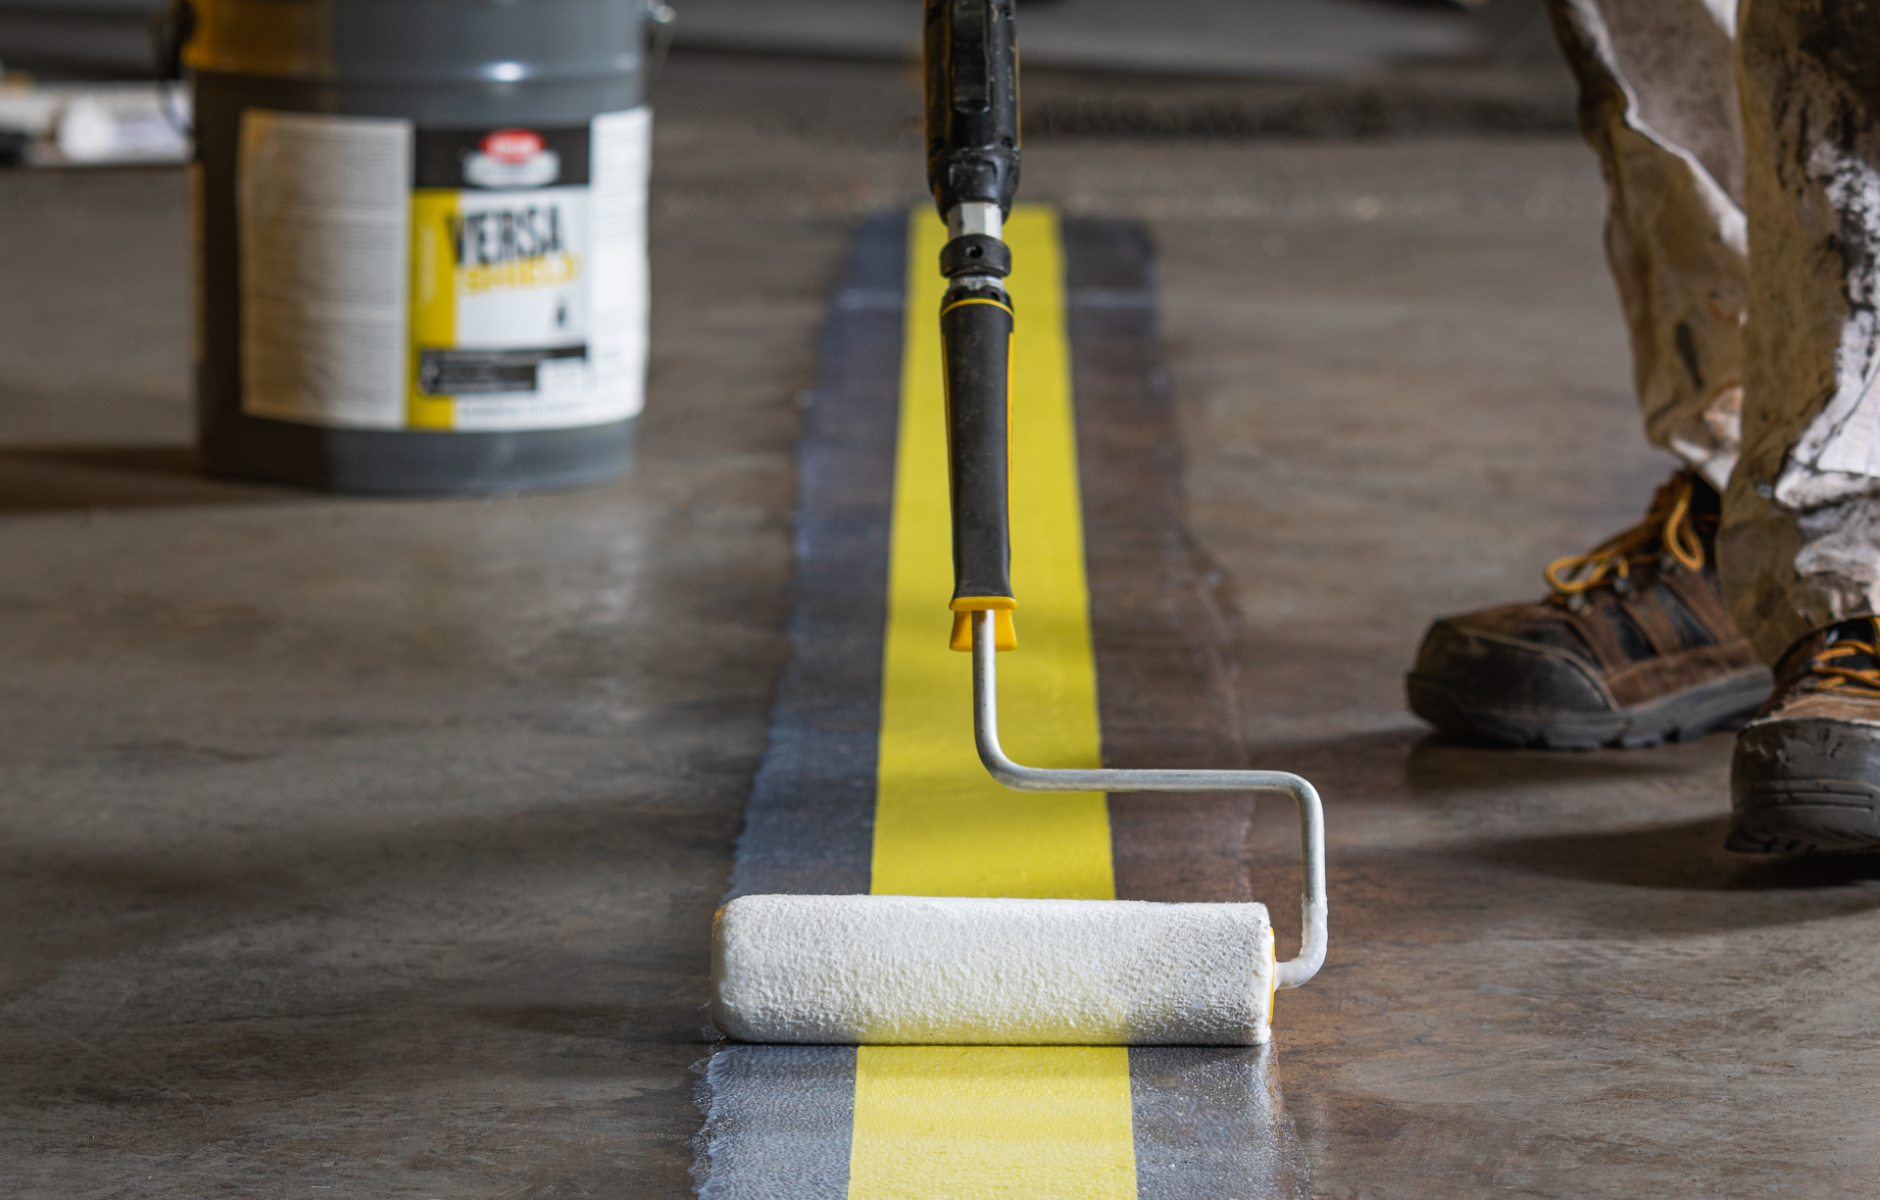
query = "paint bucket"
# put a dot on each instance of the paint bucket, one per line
(420, 231)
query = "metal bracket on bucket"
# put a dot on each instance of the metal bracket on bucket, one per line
(1313, 932)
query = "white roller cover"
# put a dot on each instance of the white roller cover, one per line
(938, 971)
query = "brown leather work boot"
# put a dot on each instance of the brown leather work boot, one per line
(1633, 647)
(1806, 775)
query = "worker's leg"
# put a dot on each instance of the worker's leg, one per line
(1658, 104)
(1635, 644)
(1802, 542)
(1801, 538)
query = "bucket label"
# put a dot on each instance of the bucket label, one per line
(521, 295)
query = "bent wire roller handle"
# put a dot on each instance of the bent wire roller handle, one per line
(1312, 902)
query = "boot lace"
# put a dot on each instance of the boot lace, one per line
(1836, 674)
(1668, 534)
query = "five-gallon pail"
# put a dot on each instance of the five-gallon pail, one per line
(420, 239)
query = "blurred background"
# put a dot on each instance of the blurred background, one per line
(78, 71)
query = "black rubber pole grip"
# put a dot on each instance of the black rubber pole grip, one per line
(976, 336)
(971, 57)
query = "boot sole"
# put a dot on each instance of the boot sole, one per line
(1804, 787)
(1679, 717)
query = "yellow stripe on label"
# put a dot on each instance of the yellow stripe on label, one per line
(1025, 1123)
(433, 300)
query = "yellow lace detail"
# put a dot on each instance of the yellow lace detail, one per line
(1835, 678)
(1666, 530)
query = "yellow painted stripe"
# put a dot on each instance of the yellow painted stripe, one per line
(942, 826)
(1025, 1123)
(992, 1123)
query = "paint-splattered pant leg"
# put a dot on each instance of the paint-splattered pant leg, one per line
(1801, 538)
(1774, 315)
(1658, 104)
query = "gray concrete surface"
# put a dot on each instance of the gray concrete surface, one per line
(1285, 38)
(366, 848)
(1509, 79)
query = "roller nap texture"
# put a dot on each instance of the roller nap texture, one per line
(871, 970)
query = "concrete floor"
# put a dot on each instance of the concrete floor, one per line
(367, 847)
(1283, 38)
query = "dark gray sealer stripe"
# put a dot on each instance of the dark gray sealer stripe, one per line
(1210, 1125)
(778, 1121)
(810, 825)
(1162, 625)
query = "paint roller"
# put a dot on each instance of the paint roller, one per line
(871, 970)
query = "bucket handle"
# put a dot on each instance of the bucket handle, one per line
(660, 19)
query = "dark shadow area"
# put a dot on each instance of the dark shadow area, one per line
(1439, 763)
(67, 478)
(1395, 762)
(1670, 881)
(1687, 857)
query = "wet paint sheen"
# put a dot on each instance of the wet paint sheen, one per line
(992, 1123)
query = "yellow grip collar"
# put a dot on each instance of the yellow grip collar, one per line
(1004, 632)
